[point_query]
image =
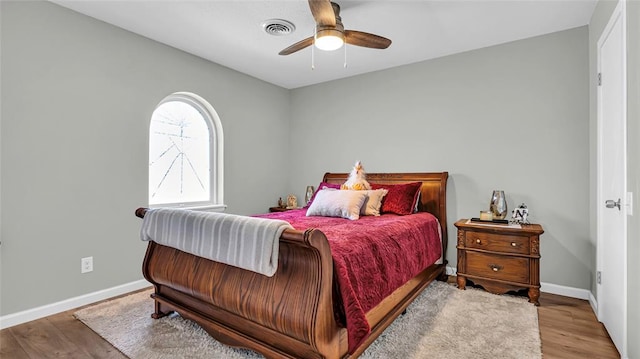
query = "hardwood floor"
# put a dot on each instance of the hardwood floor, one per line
(568, 329)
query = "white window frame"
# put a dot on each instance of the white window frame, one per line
(216, 155)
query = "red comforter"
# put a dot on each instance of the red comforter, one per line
(372, 256)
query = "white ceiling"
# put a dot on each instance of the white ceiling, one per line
(230, 32)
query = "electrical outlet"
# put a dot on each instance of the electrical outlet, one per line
(86, 265)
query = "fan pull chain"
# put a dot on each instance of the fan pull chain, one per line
(345, 55)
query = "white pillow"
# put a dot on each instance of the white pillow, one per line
(371, 206)
(337, 203)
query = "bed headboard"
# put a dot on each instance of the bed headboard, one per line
(433, 195)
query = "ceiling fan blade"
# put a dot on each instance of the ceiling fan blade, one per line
(322, 12)
(297, 46)
(366, 39)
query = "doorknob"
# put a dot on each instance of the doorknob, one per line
(611, 204)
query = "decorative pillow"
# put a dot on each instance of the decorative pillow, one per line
(334, 203)
(371, 206)
(321, 186)
(401, 198)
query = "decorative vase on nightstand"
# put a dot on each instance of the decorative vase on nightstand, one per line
(308, 194)
(498, 205)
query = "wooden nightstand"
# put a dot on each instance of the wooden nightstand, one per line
(499, 258)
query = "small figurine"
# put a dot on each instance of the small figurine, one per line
(519, 215)
(357, 179)
(281, 203)
(292, 201)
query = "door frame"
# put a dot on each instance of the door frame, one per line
(619, 14)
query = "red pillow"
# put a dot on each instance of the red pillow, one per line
(321, 186)
(401, 198)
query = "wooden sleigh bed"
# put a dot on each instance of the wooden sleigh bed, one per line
(291, 314)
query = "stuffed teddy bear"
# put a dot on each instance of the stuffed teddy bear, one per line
(357, 179)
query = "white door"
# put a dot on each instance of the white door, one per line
(611, 209)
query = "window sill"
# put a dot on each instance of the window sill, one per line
(209, 208)
(204, 208)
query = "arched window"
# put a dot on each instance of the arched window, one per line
(185, 154)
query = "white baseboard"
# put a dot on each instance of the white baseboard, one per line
(28, 315)
(565, 291)
(594, 304)
(555, 289)
(451, 270)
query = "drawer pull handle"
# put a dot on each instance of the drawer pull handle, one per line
(514, 244)
(478, 241)
(495, 267)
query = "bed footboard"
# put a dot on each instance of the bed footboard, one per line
(285, 316)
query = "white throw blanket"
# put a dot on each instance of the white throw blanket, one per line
(245, 242)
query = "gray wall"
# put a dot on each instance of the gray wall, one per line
(513, 117)
(599, 20)
(77, 97)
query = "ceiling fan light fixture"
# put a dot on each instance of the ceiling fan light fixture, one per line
(329, 39)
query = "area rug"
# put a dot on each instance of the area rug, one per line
(443, 322)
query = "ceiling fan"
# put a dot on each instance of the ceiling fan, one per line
(330, 33)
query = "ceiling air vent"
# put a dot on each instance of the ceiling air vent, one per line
(278, 27)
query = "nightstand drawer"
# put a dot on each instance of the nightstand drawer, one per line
(497, 242)
(512, 269)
